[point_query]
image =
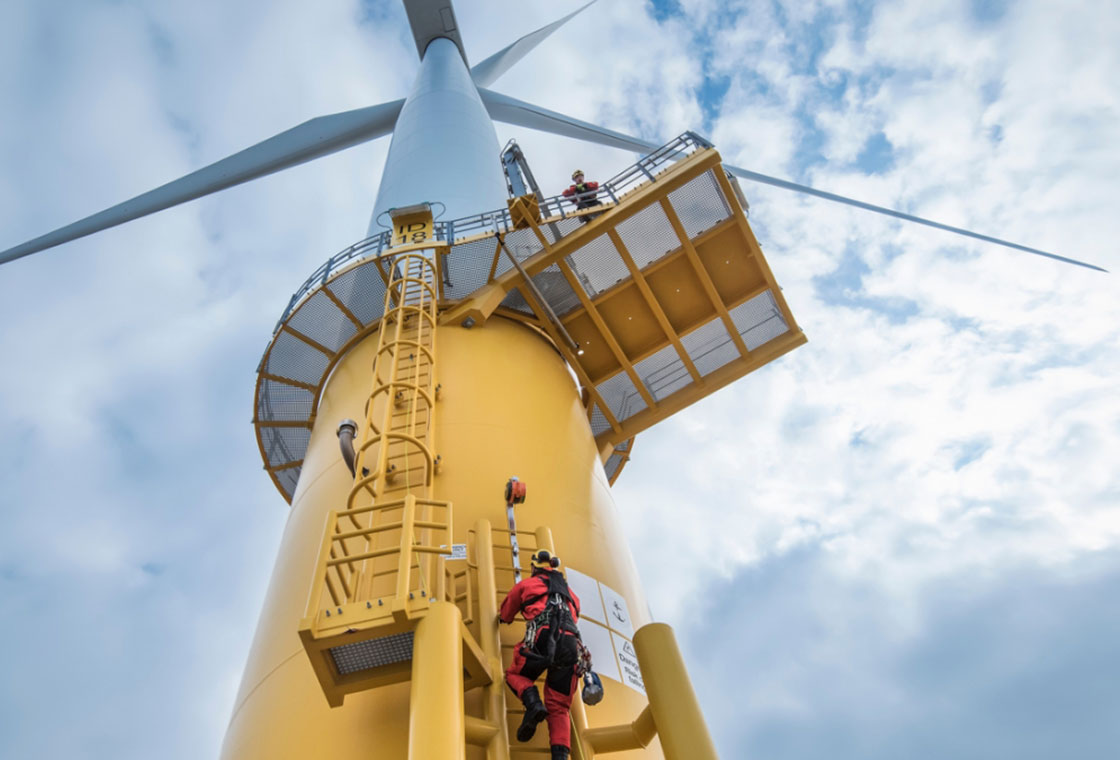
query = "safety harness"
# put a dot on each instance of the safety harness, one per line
(557, 618)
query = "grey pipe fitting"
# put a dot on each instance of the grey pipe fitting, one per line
(347, 430)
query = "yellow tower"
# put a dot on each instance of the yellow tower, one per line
(417, 371)
(516, 342)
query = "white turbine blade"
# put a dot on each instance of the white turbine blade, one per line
(787, 185)
(485, 73)
(519, 113)
(512, 111)
(312, 139)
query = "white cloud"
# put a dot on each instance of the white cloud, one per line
(966, 435)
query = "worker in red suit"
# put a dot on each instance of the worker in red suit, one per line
(551, 644)
(583, 194)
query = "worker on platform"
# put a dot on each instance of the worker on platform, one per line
(583, 194)
(551, 644)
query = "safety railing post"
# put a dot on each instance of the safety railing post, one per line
(404, 562)
(543, 536)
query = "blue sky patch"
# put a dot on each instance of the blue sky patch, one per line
(970, 451)
(877, 155)
(843, 286)
(663, 9)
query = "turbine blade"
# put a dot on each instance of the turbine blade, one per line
(787, 185)
(486, 72)
(310, 140)
(512, 111)
(519, 113)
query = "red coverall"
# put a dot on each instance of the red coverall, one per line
(527, 666)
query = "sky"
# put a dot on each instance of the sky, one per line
(900, 540)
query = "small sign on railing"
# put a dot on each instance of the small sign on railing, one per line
(412, 225)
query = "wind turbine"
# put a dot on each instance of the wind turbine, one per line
(445, 152)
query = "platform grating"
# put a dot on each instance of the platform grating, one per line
(597, 266)
(362, 289)
(700, 204)
(321, 320)
(293, 358)
(648, 235)
(614, 461)
(663, 372)
(620, 396)
(759, 321)
(710, 347)
(514, 300)
(468, 267)
(373, 653)
(284, 444)
(278, 401)
(599, 423)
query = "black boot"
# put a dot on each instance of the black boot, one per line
(559, 752)
(535, 712)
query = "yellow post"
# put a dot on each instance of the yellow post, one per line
(436, 728)
(494, 702)
(676, 712)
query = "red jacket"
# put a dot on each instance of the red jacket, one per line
(533, 590)
(585, 187)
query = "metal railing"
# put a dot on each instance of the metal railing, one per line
(644, 170)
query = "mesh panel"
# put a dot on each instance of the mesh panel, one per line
(288, 479)
(614, 461)
(514, 300)
(319, 319)
(759, 320)
(522, 244)
(710, 347)
(362, 290)
(648, 235)
(599, 422)
(555, 288)
(468, 267)
(553, 231)
(278, 401)
(620, 396)
(663, 373)
(700, 204)
(598, 266)
(372, 653)
(284, 444)
(291, 357)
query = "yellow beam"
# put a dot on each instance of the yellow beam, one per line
(704, 277)
(436, 724)
(756, 250)
(654, 306)
(342, 307)
(605, 332)
(713, 381)
(289, 381)
(635, 735)
(571, 358)
(676, 711)
(681, 174)
(309, 341)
